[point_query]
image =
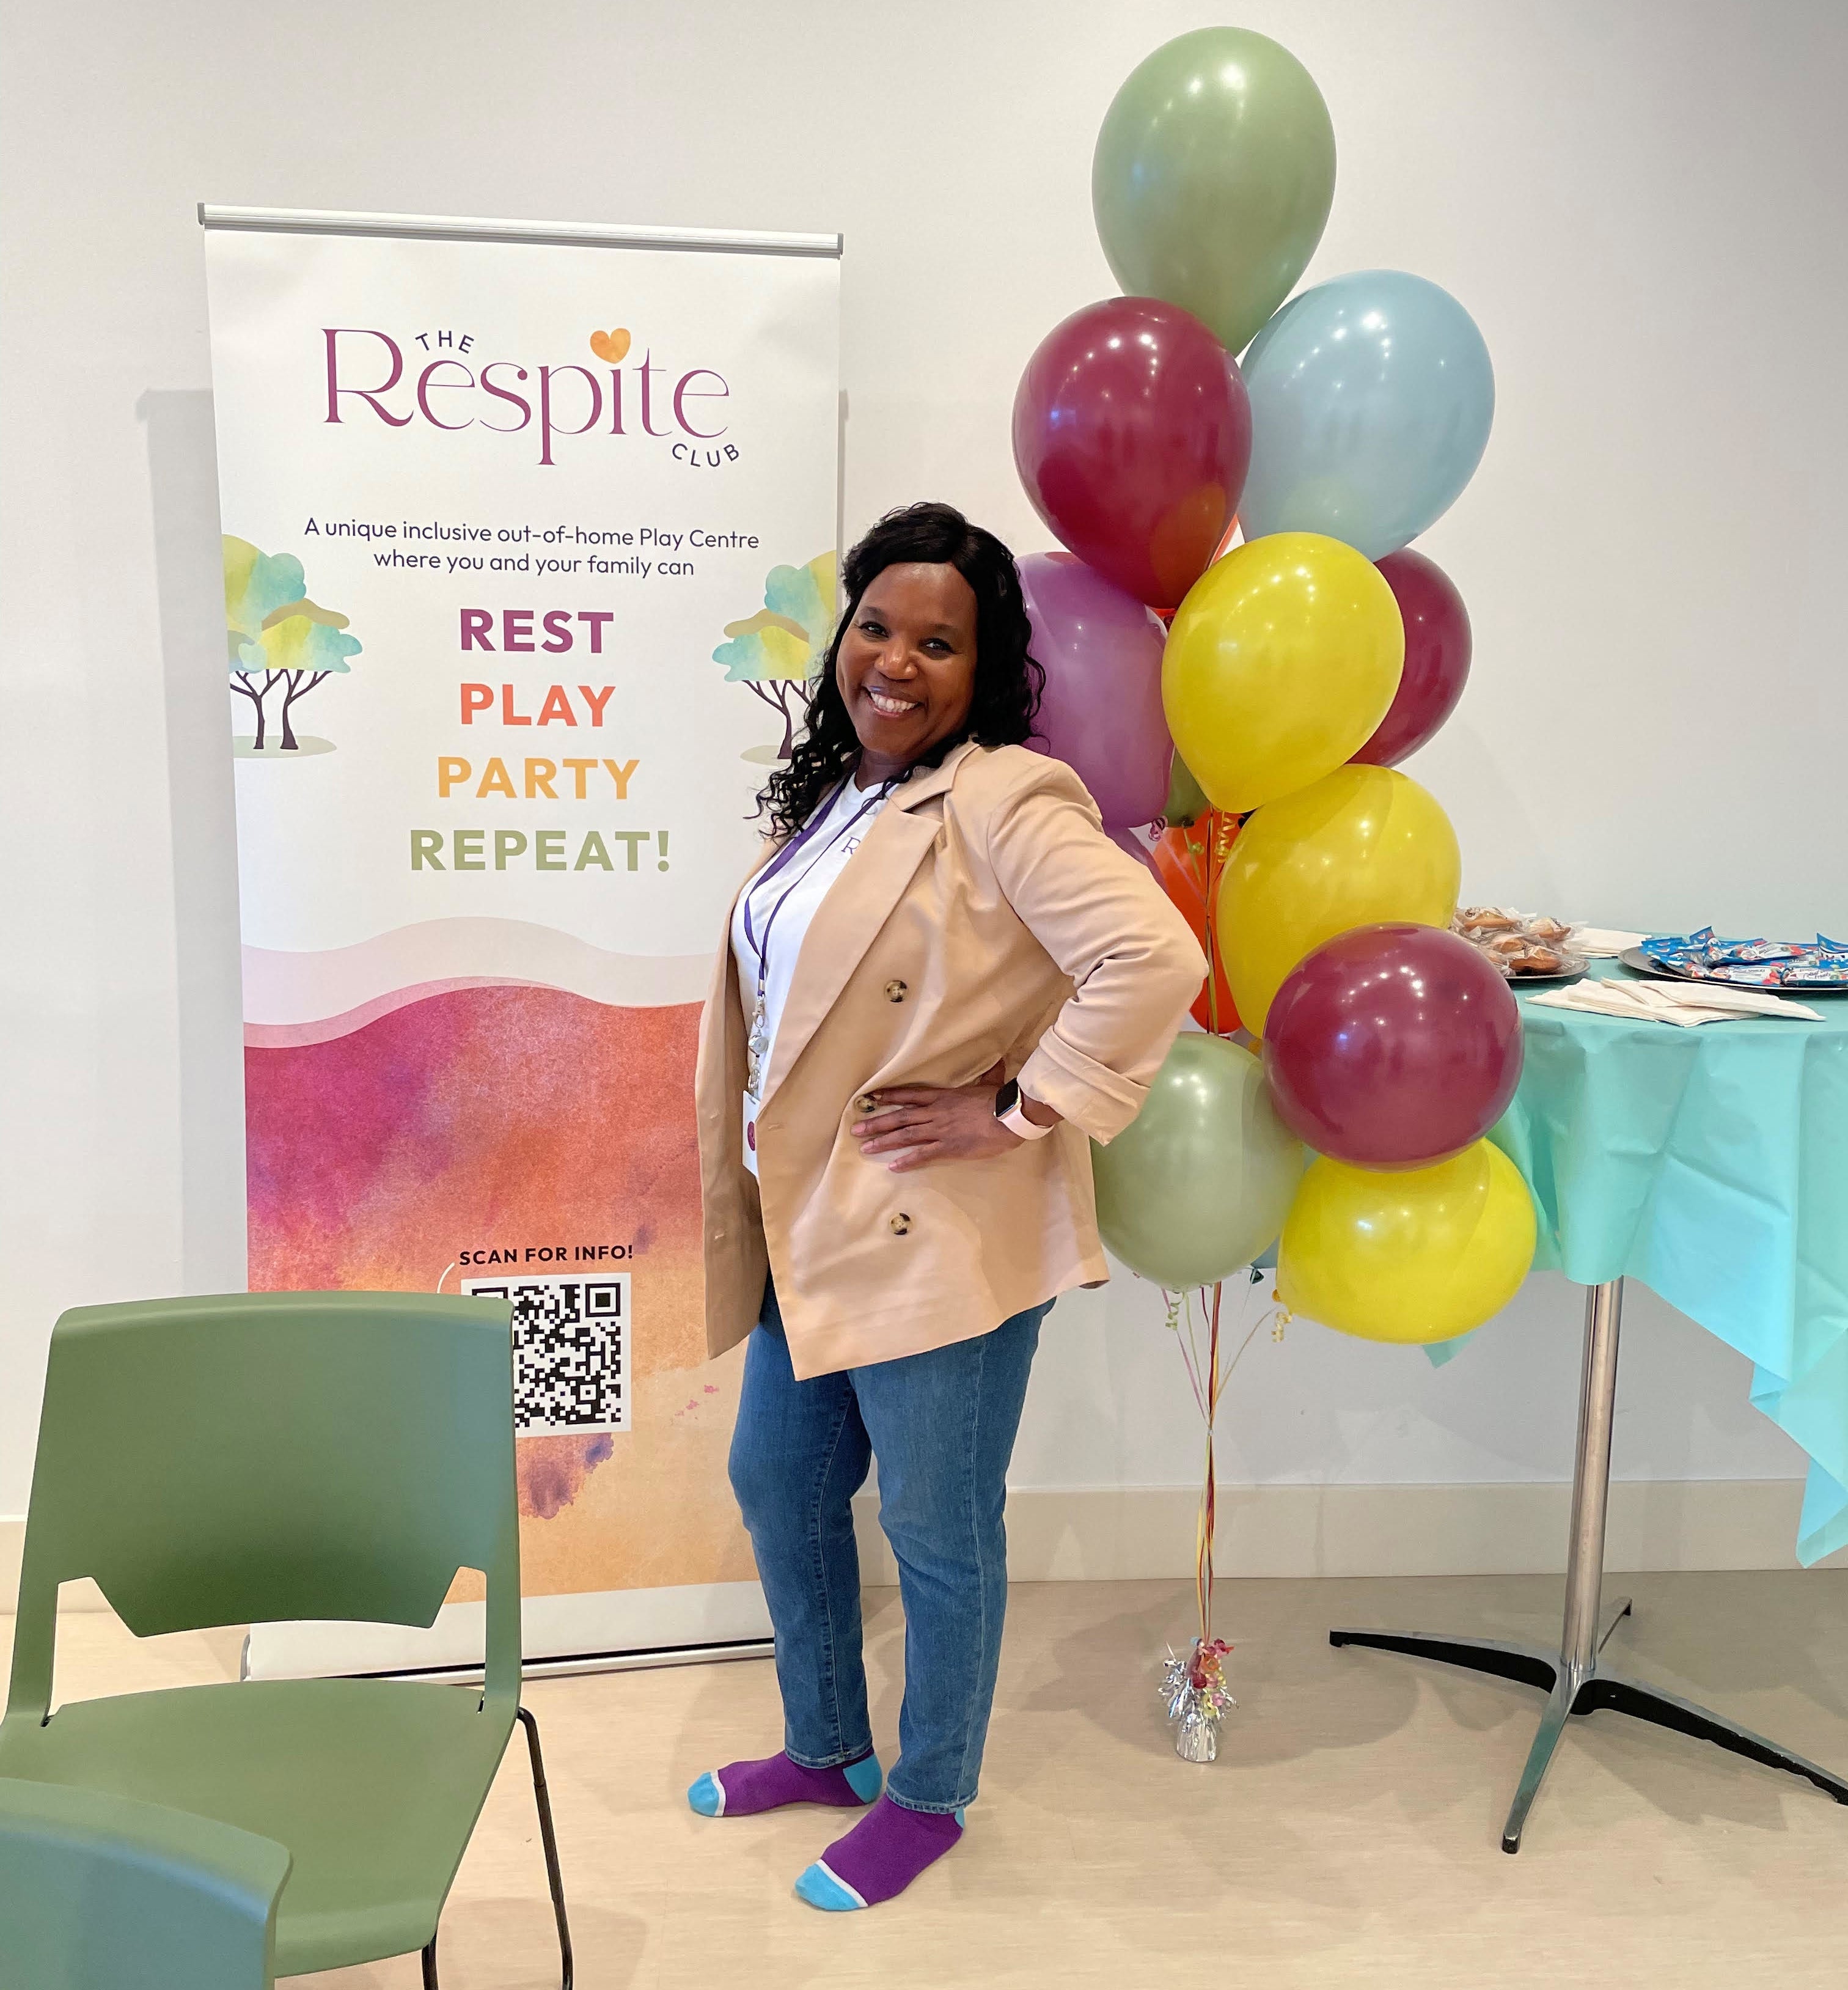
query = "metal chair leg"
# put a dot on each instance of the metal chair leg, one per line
(542, 1798)
(430, 1966)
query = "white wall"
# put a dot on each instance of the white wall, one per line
(1642, 205)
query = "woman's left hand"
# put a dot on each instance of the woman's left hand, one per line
(911, 1125)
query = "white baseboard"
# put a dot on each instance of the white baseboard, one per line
(1087, 1534)
(1098, 1535)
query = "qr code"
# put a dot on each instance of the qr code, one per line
(570, 1352)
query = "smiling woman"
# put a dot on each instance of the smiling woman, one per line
(946, 590)
(942, 982)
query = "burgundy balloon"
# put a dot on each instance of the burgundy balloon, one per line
(1437, 657)
(1133, 434)
(1392, 1047)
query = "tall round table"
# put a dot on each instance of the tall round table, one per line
(1711, 1163)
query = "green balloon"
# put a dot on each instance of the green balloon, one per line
(1187, 799)
(1200, 1181)
(1213, 177)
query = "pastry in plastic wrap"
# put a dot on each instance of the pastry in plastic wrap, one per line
(1523, 946)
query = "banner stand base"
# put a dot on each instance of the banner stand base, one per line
(576, 1664)
(591, 1631)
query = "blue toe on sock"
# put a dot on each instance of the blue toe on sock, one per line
(820, 1888)
(705, 1794)
(863, 1778)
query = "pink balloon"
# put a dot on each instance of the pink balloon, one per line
(1392, 1047)
(1101, 712)
(1437, 657)
(1133, 434)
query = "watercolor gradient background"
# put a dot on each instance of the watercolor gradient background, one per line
(510, 1114)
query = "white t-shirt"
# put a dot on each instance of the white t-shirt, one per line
(780, 910)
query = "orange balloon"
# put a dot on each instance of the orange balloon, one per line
(1188, 861)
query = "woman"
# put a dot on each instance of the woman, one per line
(941, 982)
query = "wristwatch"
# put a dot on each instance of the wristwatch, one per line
(1009, 1108)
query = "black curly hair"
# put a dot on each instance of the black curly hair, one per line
(1007, 682)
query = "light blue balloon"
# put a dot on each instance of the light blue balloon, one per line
(1371, 399)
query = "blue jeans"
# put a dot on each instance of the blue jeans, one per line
(941, 1425)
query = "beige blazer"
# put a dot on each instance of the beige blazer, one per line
(985, 916)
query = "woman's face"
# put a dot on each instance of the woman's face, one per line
(906, 666)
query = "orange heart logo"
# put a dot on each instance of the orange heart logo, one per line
(610, 347)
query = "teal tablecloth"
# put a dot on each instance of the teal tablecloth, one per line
(1713, 1165)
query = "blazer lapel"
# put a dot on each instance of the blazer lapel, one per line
(858, 903)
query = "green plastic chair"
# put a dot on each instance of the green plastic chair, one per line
(281, 1456)
(100, 1893)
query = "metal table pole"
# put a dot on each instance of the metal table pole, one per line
(1572, 1678)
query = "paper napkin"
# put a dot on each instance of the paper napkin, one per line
(1680, 1003)
(1602, 942)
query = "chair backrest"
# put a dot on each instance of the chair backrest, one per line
(98, 1892)
(274, 1456)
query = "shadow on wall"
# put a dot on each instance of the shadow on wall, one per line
(182, 470)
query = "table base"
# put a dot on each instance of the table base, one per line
(1570, 1677)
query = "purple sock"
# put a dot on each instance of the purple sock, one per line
(881, 1856)
(742, 1789)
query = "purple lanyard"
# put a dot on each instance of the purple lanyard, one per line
(761, 947)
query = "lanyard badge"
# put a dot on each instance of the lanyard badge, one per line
(757, 1037)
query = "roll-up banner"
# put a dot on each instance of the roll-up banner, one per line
(529, 547)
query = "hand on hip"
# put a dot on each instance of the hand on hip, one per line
(911, 1125)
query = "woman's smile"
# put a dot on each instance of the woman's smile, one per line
(890, 704)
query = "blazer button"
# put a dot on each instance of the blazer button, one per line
(896, 991)
(898, 1225)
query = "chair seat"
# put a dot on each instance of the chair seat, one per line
(373, 1785)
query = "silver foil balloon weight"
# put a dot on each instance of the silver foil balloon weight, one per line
(1196, 1739)
(1197, 1697)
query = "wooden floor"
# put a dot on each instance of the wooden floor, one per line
(1348, 1835)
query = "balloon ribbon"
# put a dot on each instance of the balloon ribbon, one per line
(1222, 829)
(1195, 1688)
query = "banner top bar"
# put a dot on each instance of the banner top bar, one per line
(559, 234)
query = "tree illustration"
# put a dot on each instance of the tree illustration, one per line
(275, 637)
(779, 650)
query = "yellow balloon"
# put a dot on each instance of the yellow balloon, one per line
(1282, 660)
(1362, 845)
(1418, 1254)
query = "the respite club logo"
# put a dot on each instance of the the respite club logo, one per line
(437, 379)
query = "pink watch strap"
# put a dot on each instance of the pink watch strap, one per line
(1016, 1121)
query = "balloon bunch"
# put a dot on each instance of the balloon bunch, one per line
(1296, 669)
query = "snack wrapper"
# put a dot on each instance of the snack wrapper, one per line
(1748, 974)
(1752, 963)
(1679, 947)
